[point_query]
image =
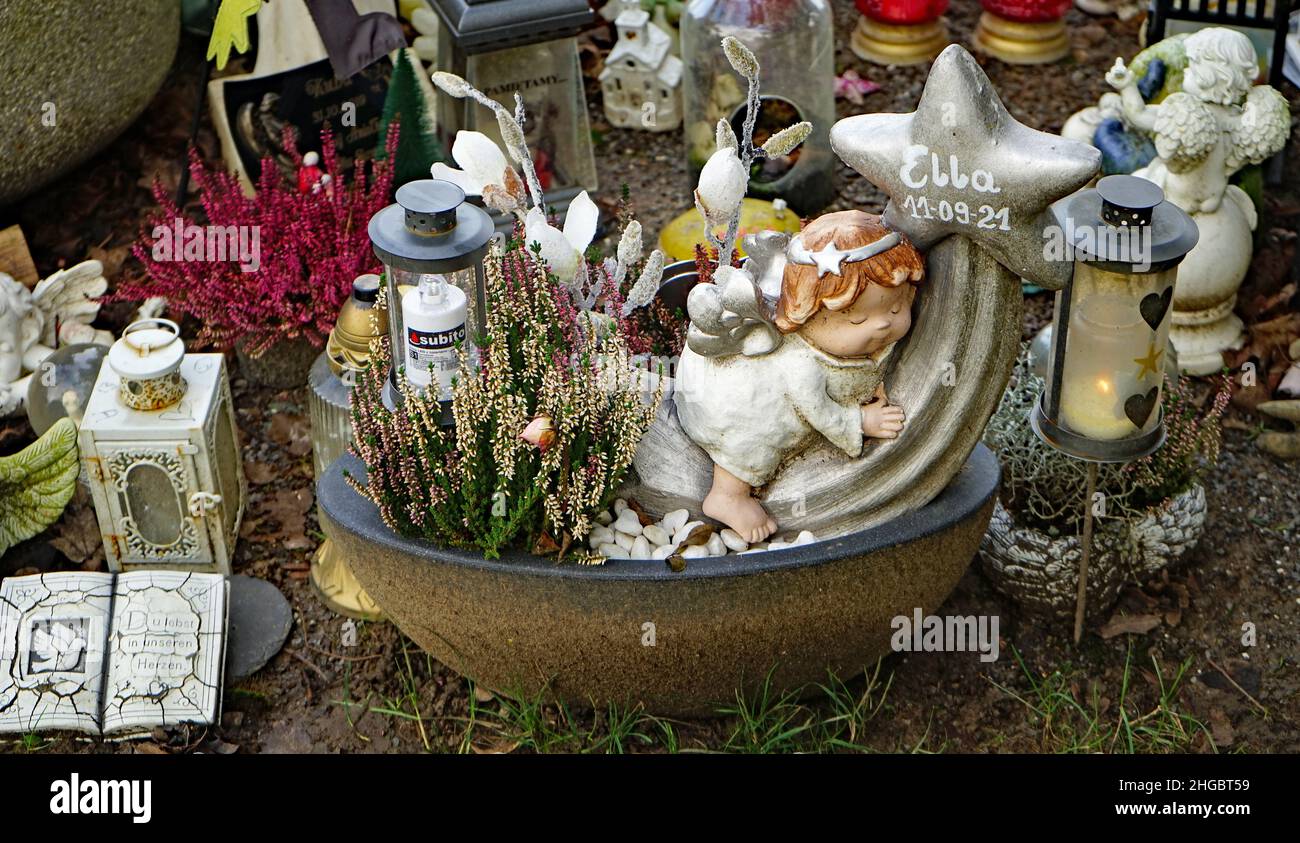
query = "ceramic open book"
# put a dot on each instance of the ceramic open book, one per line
(111, 653)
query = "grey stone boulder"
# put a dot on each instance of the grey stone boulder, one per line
(98, 64)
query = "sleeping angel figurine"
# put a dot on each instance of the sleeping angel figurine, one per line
(754, 388)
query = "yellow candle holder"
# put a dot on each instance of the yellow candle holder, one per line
(1016, 42)
(898, 44)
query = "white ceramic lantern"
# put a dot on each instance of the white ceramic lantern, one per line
(167, 482)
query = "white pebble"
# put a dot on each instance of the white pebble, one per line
(612, 551)
(674, 520)
(605, 519)
(600, 535)
(683, 531)
(698, 551)
(619, 506)
(804, 537)
(627, 522)
(656, 535)
(623, 540)
(733, 540)
(640, 548)
(663, 552)
(716, 546)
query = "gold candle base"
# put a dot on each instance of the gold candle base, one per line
(1021, 43)
(891, 44)
(338, 589)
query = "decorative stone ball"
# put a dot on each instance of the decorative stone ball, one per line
(76, 74)
(62, 386)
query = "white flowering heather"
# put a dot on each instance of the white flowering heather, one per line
(492, 481)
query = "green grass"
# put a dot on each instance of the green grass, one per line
(1072, 718)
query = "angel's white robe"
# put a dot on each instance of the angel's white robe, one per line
(751, 414)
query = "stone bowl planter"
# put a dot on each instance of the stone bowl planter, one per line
(634, 631)
(284, 366)
(1041, 572)
(74, 79)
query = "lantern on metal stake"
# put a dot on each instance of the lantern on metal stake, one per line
(1111, 330)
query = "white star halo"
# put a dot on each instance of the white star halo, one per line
(829, 257)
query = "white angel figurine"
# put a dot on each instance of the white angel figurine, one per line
(34, 323)
(754, 391)
(1218, 123)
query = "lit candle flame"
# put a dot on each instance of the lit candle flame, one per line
(1103, 385)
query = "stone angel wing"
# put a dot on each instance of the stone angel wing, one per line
(729, 316)
(1262, 128)
(1185, 131)
(37, 483)
(68, 300)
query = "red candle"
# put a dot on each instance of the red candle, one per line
(903, 12)
(1026, 11)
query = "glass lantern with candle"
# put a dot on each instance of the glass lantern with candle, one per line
(794, 43)
(429, 237)
(526, 46)
(1102, 397)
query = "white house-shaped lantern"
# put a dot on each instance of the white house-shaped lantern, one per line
(168, 482)
(642, 78)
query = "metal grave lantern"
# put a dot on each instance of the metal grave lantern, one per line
(1111, 326)
(527, 46)
(430, 232)
(160, 448)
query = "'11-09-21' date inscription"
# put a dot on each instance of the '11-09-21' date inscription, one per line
(950, 175)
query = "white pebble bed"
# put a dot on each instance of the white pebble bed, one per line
(619, 534)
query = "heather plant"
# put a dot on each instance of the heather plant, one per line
(311, 247)
(1046, 488)
(544, 429)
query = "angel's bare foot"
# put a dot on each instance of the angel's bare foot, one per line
(731, 502)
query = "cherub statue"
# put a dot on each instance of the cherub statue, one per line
(1218, 123)
(34, 323)
(756, 388)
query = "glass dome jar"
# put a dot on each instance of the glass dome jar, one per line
(794, 43)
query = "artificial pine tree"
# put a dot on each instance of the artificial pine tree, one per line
(417, 148)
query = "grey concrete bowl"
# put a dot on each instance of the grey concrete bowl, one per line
(634, 631)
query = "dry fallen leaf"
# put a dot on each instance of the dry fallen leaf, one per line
(1221, 728)
(258, 473)
(289, 507)
(77, 535)
(1122, 624)
(293, 432)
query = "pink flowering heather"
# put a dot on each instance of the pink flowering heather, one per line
(311, 247)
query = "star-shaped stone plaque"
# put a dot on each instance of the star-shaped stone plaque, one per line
(960, 164)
